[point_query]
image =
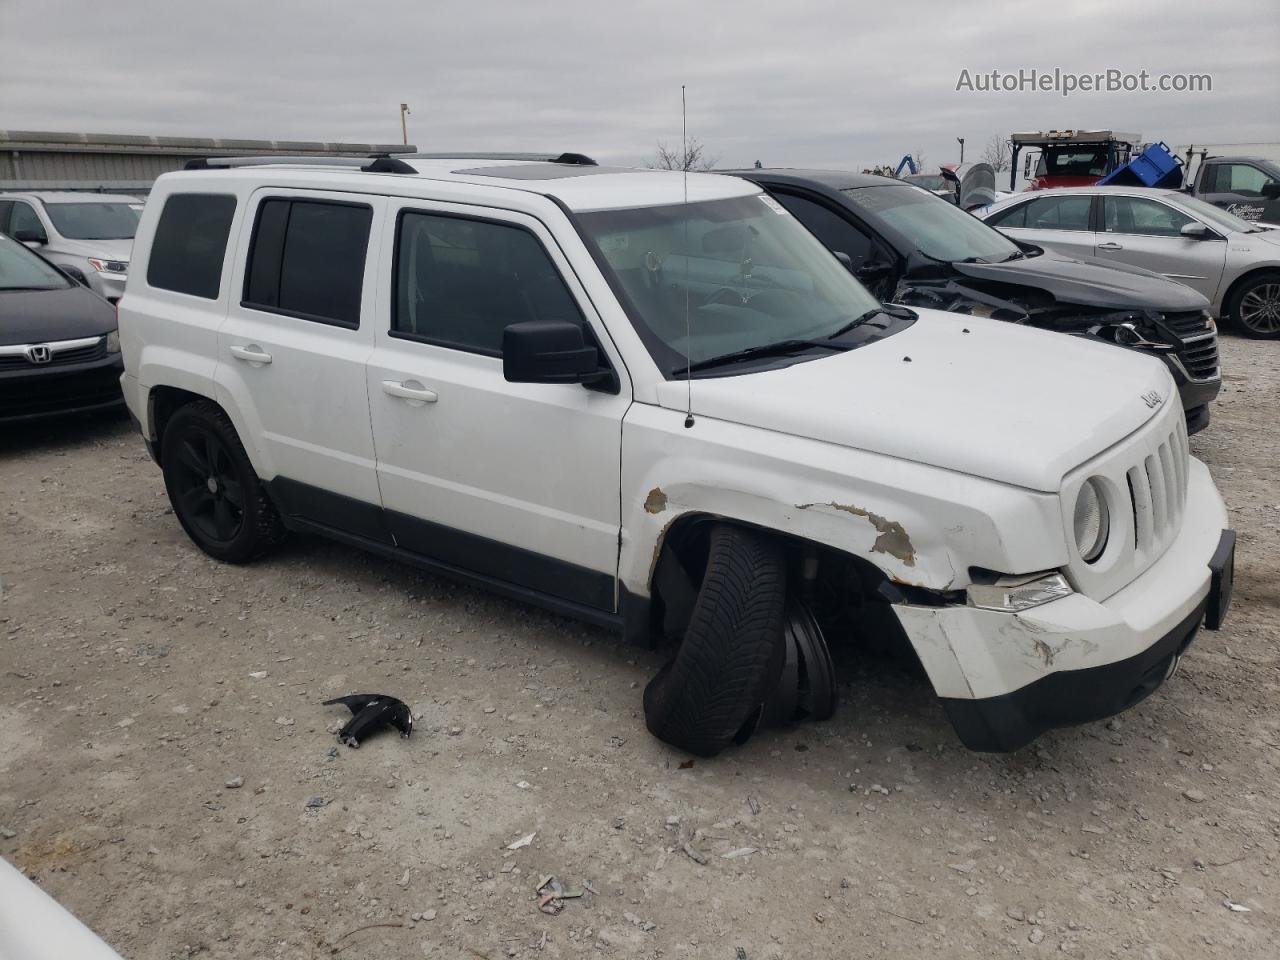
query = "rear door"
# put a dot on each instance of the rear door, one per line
(518, 482)
(1144, 232)
(1060, 222)
(293, 349)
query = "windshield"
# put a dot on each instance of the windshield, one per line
(930, 181)
(20, 269)
(749, 272)
(936, 228)
(94, 221)
(1072, 161)
(1215, 216)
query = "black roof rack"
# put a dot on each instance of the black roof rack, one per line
(573, 159)
(383, 163)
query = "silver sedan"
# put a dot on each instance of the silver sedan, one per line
(1236, 264)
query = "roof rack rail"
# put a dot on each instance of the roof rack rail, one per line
(382, 163)
(573, 159)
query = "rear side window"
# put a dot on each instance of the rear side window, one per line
(1012, 217)
(460, 282)
(190, 243)
(1062, 212)
(307, 259)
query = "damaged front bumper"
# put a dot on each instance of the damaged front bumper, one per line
(1005, 678)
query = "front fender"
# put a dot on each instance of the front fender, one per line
(920, 525)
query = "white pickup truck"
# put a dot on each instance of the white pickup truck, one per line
(662, 406)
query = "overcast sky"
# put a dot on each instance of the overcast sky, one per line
(805, 82)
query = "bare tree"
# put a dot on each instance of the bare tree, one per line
(918, 157)
(695, 157)
(997, 153)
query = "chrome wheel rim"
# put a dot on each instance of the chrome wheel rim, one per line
(1260, 308)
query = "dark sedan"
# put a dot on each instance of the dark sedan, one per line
(912, 248)
(59, 350)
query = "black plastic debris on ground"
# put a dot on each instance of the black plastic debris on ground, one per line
(370, 712)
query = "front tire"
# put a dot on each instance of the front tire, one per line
(214, 491)
(1255, 307)
(732, 651)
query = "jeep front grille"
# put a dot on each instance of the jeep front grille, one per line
(1145, 479)
(1158, 492)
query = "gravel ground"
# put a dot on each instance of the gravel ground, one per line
(167, 772)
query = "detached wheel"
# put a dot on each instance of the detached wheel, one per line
(1255, 308)
(732, 652)
(215, 493)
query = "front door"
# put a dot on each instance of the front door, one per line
(292, 352)
(1144, 232)
(518, 482)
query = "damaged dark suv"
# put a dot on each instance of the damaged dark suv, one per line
(908, 246)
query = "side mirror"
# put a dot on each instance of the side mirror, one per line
(1195, 231)
(548, 351)
(1026, 165)
(30, 236)
(845, 259)
(1271, 190)
(75, 274)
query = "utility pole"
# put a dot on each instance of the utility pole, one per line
(960, 139)
(404, 127)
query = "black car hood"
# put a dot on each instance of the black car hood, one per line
(1091, 283)
(41, 316)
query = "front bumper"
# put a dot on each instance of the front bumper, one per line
(1006, 678)
(35, 393)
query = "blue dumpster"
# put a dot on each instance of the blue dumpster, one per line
(1156, 166)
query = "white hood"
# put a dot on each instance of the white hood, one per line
(1004, 402)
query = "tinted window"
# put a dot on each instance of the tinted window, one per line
(24, 218)
(307, 259)
(190, 243)
(1069, 212)
(1015, 216)
(462, 282)
(94, 221)
(20, 269)
(936, 228)
(1240, 178)
(835, 232)
(1138, 215)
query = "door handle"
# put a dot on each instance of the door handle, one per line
(409, 390)
(250, 354)
(1110, 245)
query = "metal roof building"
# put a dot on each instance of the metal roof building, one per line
(117, 163)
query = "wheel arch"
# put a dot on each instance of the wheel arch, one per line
(1242, 281)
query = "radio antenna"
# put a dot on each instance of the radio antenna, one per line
(688, 330)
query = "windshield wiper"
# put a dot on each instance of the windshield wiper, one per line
(1016, 255)
(780, 348)
(856, 321)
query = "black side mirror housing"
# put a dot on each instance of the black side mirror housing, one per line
(549, 351)
(1271, 190)
(30, 236)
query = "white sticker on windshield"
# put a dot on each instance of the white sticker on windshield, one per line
(772, 204)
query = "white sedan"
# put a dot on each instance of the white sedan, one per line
(1236, 264)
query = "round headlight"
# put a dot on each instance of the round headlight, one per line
(1092, 522)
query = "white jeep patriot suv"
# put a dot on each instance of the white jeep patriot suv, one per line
(658, 404)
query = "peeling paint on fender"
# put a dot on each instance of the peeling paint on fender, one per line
(891, 536)
(656, 502)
